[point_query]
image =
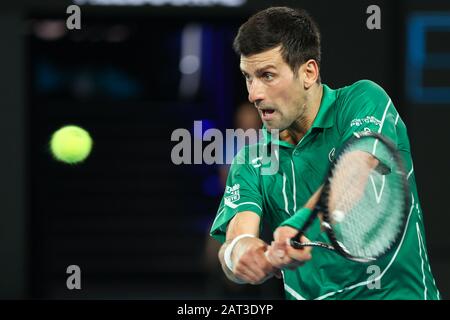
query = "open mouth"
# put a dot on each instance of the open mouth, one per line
(267, 112)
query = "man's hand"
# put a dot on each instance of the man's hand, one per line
(250, 262)
(280, 253)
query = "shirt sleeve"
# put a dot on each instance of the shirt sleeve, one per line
(367, 107)
(242, 193)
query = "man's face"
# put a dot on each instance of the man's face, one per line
(272, 87)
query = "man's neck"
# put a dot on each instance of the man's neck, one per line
(300, 127)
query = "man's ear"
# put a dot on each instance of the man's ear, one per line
(310, 72)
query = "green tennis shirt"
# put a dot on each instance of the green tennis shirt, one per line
(404, 273)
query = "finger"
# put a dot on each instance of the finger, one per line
(280, 256)
(245, 268)
(269, 256)
(303, 254)
(279, 239)
(278, 252)
(280, 262)
(245, 274)
(255, 266)
(274, 255)
(274, 261)
(263, 265)
(259, 267)
(279, 248)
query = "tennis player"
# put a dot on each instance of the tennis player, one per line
(279, 52)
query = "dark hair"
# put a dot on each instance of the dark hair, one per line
(293, 29)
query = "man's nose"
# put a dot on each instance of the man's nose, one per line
(255, 92)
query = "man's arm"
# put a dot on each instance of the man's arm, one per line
(280, 253)
(249, 263)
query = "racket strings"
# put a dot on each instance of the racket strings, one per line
(364, 203)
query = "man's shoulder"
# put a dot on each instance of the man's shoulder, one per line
(361, 89)
(359, 95)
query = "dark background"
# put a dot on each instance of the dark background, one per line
(135, 223)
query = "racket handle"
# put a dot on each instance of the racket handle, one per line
(295, 241)
(300, 245)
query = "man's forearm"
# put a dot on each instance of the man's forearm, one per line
(242, 255)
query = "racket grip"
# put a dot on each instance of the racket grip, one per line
(295, 241)
(295, 244)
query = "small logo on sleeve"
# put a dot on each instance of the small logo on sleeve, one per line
(364, 121)
(232, 193)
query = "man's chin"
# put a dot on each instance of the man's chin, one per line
(269, 124)
(273, 126)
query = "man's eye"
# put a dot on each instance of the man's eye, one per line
(268, 76)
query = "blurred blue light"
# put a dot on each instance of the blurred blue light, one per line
(118, 84)
(47, 77)
(417, 59)
(212, 186)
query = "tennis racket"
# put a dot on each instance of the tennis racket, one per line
(364, 200)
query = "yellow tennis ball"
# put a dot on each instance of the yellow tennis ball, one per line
(71, 144)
